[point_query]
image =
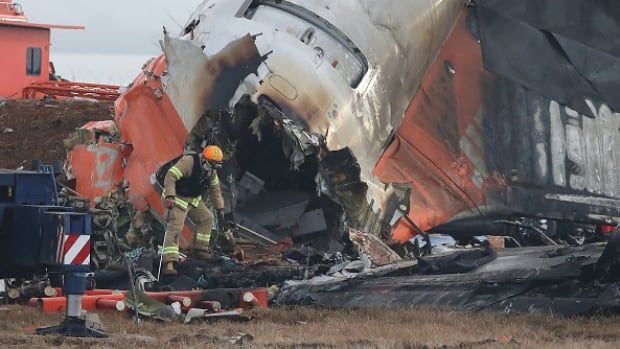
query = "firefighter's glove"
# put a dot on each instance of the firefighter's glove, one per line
(169, 202)
(221, 222)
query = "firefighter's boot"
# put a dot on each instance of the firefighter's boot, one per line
(203, 255)
(169, 269)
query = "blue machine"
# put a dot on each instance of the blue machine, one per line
(24, 197)
(38, 236)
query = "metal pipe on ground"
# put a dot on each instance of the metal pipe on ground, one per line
(250, 299)
(228, 298)
(27, 292)
(184, 301)
(109, 304)
(59, 304)
(183, 297)
(193, 296)
(211, 306)
(255, 298)
(213, 300)
(95, 292)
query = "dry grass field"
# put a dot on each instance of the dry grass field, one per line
(284, 328)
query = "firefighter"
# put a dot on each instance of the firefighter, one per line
(184, 185)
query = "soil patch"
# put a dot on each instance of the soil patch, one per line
(34, 130)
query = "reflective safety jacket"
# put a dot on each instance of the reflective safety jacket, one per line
(187, 180)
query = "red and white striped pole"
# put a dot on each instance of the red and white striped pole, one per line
(73, 256)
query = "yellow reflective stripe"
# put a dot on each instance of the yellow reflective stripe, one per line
(181, 203)
(196, 201)
(171, 250)
(176, 172)
(203, 237)
(215, 181)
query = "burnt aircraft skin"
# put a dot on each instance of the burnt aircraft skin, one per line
(347, 82)
(480, 146)
(565, 281)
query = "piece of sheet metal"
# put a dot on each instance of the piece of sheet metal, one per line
(535, 280)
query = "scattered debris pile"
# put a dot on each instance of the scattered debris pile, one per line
(302, 200)
(558, 280)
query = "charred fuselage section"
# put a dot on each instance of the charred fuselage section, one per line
(327, 85)
(514, 131)
(372, 120)
(281, 177)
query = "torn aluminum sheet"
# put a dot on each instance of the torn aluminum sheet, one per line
(235, 314)
(438, 242)
(150, 307)
(332, 75)
(373, 248)
(196, 83)
(537, 280)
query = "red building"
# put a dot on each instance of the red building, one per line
(24, 50)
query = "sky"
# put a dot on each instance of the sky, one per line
(127, 32)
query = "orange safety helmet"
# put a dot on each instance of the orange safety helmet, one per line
(213, 153)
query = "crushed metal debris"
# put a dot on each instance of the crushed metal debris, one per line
(338, 179)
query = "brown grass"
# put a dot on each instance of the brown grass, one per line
(318, 328)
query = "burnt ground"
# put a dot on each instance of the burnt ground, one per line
(286, 328)
(39, 128)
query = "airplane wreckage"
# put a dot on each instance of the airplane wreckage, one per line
(347, 122)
